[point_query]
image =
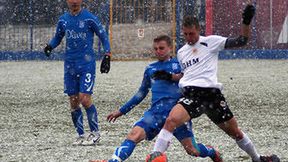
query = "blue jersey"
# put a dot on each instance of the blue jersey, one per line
(79, 32)
(161, 89)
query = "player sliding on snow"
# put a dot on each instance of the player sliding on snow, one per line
(201, 90)
(162, 78)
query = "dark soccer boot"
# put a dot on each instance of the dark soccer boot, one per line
(272, 158)
(217, 157)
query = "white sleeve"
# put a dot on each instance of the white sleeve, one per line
(216, 43)
(179, 60)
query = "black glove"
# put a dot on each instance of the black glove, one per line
(161, 75)
(105, 64)
(248, 14)
(48, 50)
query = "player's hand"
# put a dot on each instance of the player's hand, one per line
(105, 64)
(48, 50)
(248, 14)
(161, 75)
(113, 116)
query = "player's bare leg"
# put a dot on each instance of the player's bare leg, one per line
(200, 150)
(177, 117)
(137, 134)
(189, 148)
(85, 100)
(74, 101)
(231, 128)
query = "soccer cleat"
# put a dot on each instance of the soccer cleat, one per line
(79, 140)
(217, 157)
(115, 159)
(156, 157)
(92, 139)
(272, 158)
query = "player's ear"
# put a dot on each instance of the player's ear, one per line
(170, 48)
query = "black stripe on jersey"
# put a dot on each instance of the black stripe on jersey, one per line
(204, 44)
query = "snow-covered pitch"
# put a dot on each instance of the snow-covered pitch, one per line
(36, 123)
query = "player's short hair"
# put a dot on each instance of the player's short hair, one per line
(165, 38)
(190, 21)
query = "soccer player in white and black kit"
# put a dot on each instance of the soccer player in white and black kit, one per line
(201, 90)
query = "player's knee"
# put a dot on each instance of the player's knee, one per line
(85, 100)
(74, 102)
(135, 136)
(236, 134)
(239, 134)
(74, 107)
(170, 123)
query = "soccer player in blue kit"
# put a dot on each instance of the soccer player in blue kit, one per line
(78, 26)
(165, 93)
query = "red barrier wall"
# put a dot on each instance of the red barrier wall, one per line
(227, 18)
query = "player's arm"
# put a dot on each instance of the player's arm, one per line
(56, 40)
(139, 96)
(242, 39)
(134, 101)
(97, 27)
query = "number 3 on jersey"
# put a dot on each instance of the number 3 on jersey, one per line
(89, 81)
(88, 78)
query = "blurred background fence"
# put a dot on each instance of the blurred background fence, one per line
(27, 25)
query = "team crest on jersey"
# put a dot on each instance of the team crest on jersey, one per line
(194, 51)
(223, 104)
(174, 66)
(81, 24)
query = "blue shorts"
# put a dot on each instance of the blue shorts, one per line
(153, 121)
(79, 78)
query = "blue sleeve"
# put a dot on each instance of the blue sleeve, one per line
(60, 33)
(139, 96)
(97, 27)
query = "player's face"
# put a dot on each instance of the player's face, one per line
(162, 50)
(74, 5)
(191, 34)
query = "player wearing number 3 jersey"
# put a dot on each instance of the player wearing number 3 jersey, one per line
(78, 26)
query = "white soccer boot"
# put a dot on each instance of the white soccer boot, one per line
(79, 140)
(92, 139)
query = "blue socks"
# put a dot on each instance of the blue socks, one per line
(77, 118)
(206, 151)
(92, 117)
(124, 151)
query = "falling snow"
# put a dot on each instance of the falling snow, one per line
(36, 120)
